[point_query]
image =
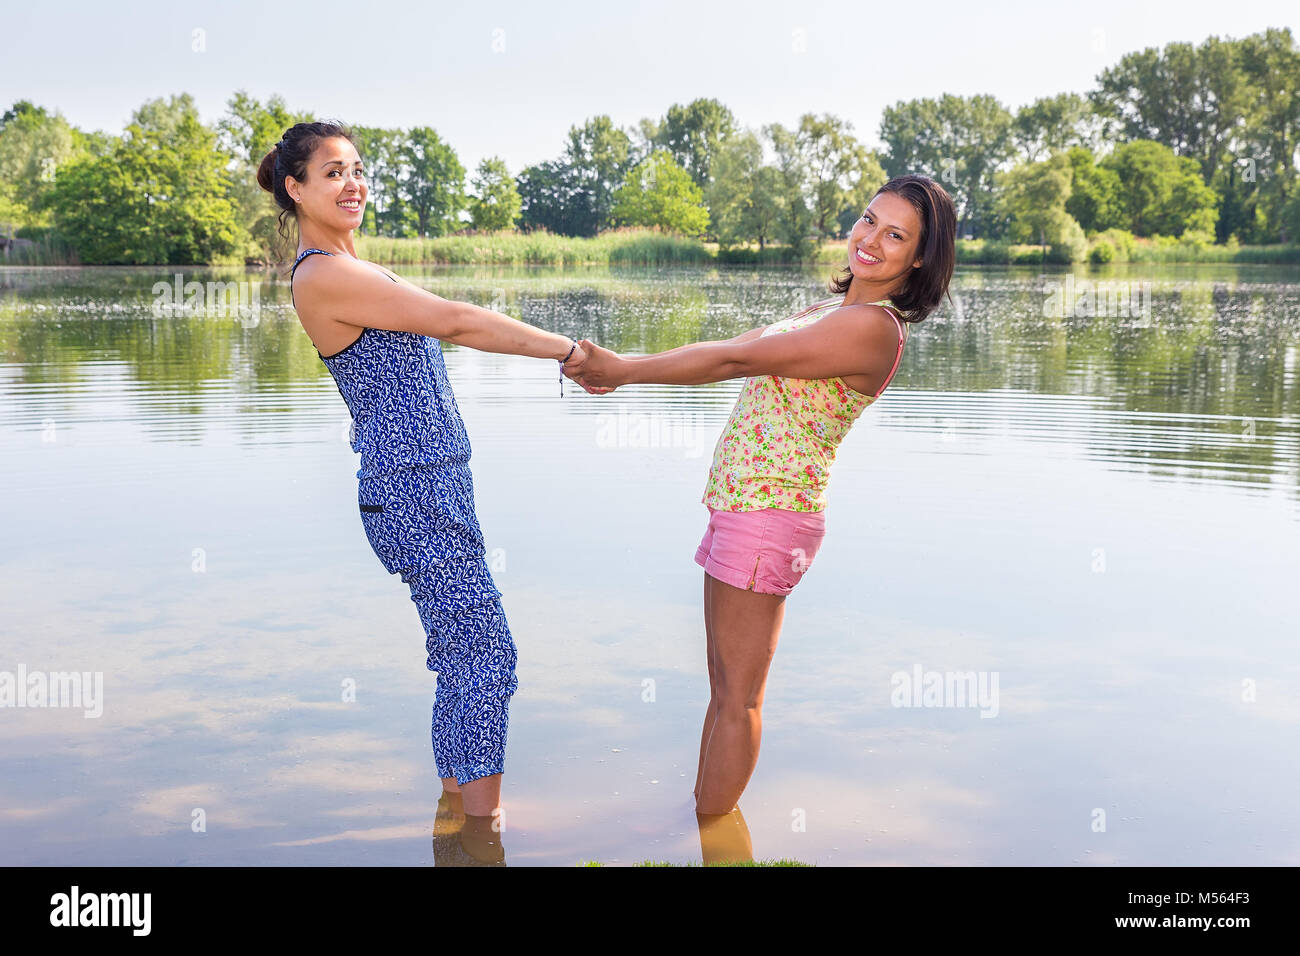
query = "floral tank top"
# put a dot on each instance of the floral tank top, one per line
(777, 448)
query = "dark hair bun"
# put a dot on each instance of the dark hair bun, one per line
(266, 171)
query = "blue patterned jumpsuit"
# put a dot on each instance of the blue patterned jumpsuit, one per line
(416, 499)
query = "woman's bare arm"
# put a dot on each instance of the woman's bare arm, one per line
(742, 337)
(850, 340)
(349, 292)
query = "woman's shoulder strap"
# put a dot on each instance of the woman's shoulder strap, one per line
(303, 255)
(903, 327)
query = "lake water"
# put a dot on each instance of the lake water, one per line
(1098, 515)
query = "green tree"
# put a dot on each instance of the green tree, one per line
(1192, 99)
(1291, 217)
(1095, 201)
(167, 116)
(161, 196)
(95, 142)
(382, 152)
(1229, 104)
(554, 198)
(693, 134)
(1053, 124)
(250, 128)
(824, 177)
(574, 195)
(496, 201)
(744, 197)
(247, 132)
(432, 183)
(842, 173)
(600, 155)
(866, 178)
(730, 191)
(1240, 212)
(660, 194)
(961, 142)
(1033, 198)
(1162, 193)
(766, 208)
(796, 221)
(33, 144)
(1271, 64)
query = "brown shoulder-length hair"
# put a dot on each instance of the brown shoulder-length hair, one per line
(927, 284)
(289, 158)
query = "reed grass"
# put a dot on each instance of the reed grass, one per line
(615, 247)
(646, 247)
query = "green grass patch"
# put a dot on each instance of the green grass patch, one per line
(1117, 245)
(42, 248)
(615, 247)
(647, 247)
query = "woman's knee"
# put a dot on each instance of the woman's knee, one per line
(737, 701)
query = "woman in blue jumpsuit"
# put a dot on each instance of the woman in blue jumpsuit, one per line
(416, 499)
(379, 338)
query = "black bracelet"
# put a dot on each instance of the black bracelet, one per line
(563, 362)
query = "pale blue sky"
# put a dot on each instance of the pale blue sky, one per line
(407, 64)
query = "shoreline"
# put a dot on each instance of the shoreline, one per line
(649, 248)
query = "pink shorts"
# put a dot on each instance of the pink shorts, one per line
(766, 551)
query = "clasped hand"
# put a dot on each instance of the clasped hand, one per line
(599, 371)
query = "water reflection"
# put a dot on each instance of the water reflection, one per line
(1101, 509)
(463, 839)
(724, 838)
(1205, 387)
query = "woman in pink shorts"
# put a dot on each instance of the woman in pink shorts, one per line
(808, 378)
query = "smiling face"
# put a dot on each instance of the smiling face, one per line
(334, 192)
(885, 243)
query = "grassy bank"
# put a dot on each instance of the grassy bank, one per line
(40, 249)
(646, 247)
(616, 247)
(1116, 246)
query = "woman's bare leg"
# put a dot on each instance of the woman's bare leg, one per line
(482, 796)
(710, 715)
(746, 626)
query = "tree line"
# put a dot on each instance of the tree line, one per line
(1188, 141)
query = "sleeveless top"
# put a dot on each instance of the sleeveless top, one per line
(395, 384)
(777, 448)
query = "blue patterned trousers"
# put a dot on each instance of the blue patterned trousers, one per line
(422, 525)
